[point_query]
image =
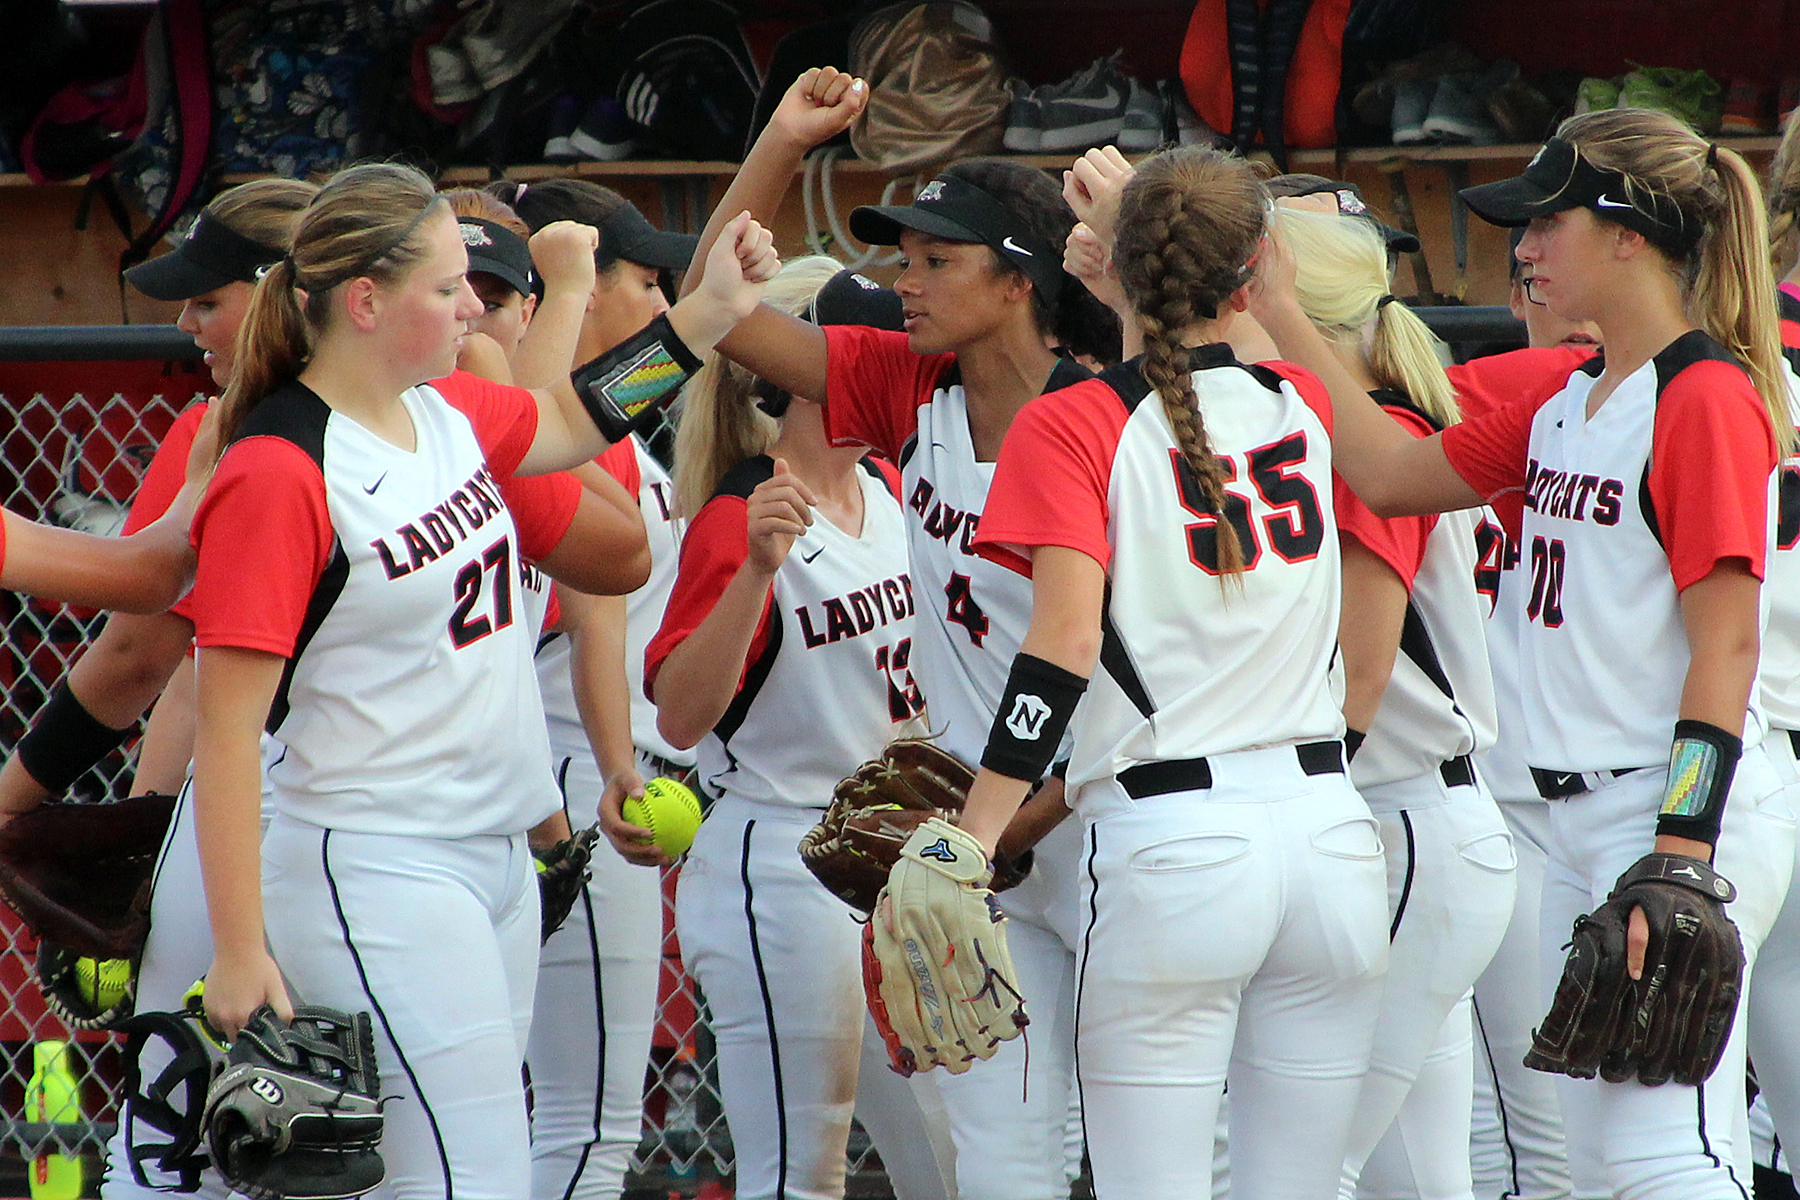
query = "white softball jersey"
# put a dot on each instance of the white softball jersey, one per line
(827, 681)
(631, 463)
(1439, 701)
(1781, 641)
(1192, 662)
(1621, 512)
(973, 612)
(389, 581)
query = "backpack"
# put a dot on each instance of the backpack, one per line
(686, 78)
(1267, 70)
(937, 86)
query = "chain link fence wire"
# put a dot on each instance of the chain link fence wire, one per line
(77, 430)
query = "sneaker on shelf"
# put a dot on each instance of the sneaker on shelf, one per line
(1787, 99)
(1749, 108)
(1141, 128)
(1412, 101)
(605, 134)
(1459, 114)
(1025, 123)
(1086, 109)
(565, 114)
(1693, 96)
(1596, 95)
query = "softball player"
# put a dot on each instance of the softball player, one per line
(1418, 704)
(792, 611)
(1773, 1047)
(597, 975)
(1642, 616)
(376, 631)
(1208, 761)
(984, 295)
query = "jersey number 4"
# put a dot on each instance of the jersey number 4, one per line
(465, 626)
(1294, 530)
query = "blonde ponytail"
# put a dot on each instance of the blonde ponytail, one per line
(720, 423)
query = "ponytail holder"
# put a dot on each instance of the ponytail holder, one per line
(1712, 155)
(1385, 301)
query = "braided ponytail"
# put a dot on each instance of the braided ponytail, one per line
(1189, 223)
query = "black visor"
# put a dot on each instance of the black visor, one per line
(958, 211)
(498, 251)
(1350, 203)
(1559, 179)
(209, 257)
(852, 299)
(627, 235)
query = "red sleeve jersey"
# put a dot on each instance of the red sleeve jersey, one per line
(1398, 541)
(167, 471)
(504, 417)
(543, 507)
(875, 385)
(716, 545)
(1498, 380)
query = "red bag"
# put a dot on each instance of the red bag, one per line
(1267, 70)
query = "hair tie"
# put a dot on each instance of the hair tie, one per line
(293, 268)
(1385, 301)
(1712, 155)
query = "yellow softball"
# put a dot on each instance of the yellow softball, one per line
(104, 981)
(669, 810)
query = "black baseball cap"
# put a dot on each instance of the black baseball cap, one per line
(852, 299)
(1558, 178)
(958, 211)
(498, 251)
(1350, 203)
(627, 235)
(211, 255)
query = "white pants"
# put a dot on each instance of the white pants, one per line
(1450, 896)
(779, 963)
(1427, 1119)
(1009, 1125)
(1774, 1009)
(438, 939)
(595, 1013)
(1626, 1140)
(177, 952)
(1239, 930)
(1515, 1132)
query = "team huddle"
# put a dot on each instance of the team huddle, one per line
(1290, 737)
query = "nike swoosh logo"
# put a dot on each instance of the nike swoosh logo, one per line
(370, 490)
(1603, 202)
(1009, 244)
(1109, 100)
(813, 555)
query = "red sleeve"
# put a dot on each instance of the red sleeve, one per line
(1398, 541)
(1499, 380)
(1710, 461)
(1310, 388)
(715, 546)
(264, 536)
(167, 472)
(1491, 452)
(874, 386)
(1050, 485)
(504, 417)
(621, 462)
(552, 610)
(543, 507)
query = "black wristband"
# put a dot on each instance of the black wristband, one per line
(1353, 740)
(1035, 708)
(65, 740)
(629, 384)
(1702, 763)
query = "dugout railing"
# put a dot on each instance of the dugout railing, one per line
(81, 412)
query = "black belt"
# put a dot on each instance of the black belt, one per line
(1195, 774)
(1559, 785)
(1794, 741)
(1458, 772)
(670, 770)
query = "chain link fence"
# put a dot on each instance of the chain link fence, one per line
(75, 439)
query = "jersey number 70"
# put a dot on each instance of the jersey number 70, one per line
(1294, 530)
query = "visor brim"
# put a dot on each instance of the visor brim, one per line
(175, 276)
(1510, 203)
(660, 249)
(880, 225)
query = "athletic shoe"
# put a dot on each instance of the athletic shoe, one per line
(1596, 95)
(1412, 100)
(1458, 114)
(605, 134)
(1749, 106)
(1141, 128)
(1025, 123)
(1086, 109)
(565, 115)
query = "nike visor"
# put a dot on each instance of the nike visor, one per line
(958, 211)
(1559, 179)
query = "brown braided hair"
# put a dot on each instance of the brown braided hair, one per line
(1784, 197)
(1189, 223)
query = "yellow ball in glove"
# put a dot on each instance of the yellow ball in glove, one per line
(669, 810)
(103, 982)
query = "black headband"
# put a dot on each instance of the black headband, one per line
(1559, 179)
(956, 210)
